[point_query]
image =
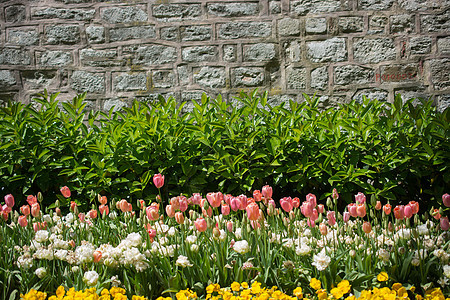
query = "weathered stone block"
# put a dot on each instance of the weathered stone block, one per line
(443, 101)
(229, 52)
(439, 75)
(55, 58)
(275, 7)
(435, 23)
(74, 1)
(412, 93)
(199, 53)
(151, 54)
(260, 52)
(304, 7)
(237, 30)
(82, 81)
(23, 36)
(352, 74)
(247, 76)
(373, 50)
(418, 5)
(375, 4)
(11, 56)
(176, 12)
(183, 75)
(288, 27)
(123, 14)
(163, 79)
(63, 13)
(169, 33)
(234, 9)
(372, 94)
(210, 77)
(377, 24)
(292, 50)
(420, 45)
(316, 25)
(95, 34)
(62, 34)
(131, 33)
(398, 73)
(402, 23)
(443, 45)
(333, 49)
(37, 79)
(296, 78)
(127, 82)
(7, 79)
(99, 58)
(196, 33)
(15, 13)
(351, 24)
(114, 104)
(319, 78)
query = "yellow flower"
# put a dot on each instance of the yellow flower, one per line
(383, 276)
(264, 296)
(213, 287)
(256, 288)
(315, 284)
(352, 297)
(396, 286)
(235, 286)
(419, 297)
(134, 297)
(322, 294)
(298, 293)
(244, 285)
(337, 293)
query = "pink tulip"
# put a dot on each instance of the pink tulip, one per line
(436, 214)
(225, 209)
(323, 229)
(235, 204)
(158, 180)
(315, 215)
(267, 192)
(243, 199)
(6, 209)
(82, 217)
(331, 216)
(207, 212)
(31, 200)
(446, 200)
(367, 228)
(103, 200)
(312, 199)
(257, 195)
(360, 198)
(179, 217)
(252, 211)
(296, 202)
(65, 191)
(408, 211)
(311, 223)
(58, 212)
(35, 209)
(346, 216)
(196, 198)
(378, 205)
(415, 206)
(73, 205)
(387, 208)
(23, 221)
(214, 199)
(352, 210)
(320, 208)
(200, 224)
(183, 204)
(152, 212)
(335, 194)
(444, 223)
(399, 212)
(93, 214)
(170, 211)
(361, 210)
(9, 200)
(286, 204)
(230, 226)
(104, 210)
(151, 232)
(97, 256)
(25, 209)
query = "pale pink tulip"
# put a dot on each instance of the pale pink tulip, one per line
(286, 204)
(183, 204)
(25, 209)
(152, 212)
(170, 211)
(360, 198)
(158, 180)
(312, 199)
(267, 192)
(9, 200)
(23, 221)
(200, 224)
(323, 229)
(214, 199)
(230, 226)
(444, 223)
(252, 211)
(346, 216)
(331, 216)
(235, 204)
(35, 209)
(446, 200)
(352, 210)
(335, 194)
(225, 209)
(179, 217)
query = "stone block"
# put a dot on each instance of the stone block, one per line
(23, 36)
(330, 50)
(418, 5)
(183, 75)
(435, 22)
(170, 33)
(353, 74)
(292, 50)
(163, 79)
(15, 13)
(151, 54)
(289, 27)
(229, 53)
(319, 78)
(247, 76)
(398, 73)
(132, 33)
(375, 4)
(275, 7)
(210, 77)
(7, 79)
(233, 9)
(38, 79)
(316, 25)
(420, 45)
(62, 34)
(82, 81)
(296, 78)
(196, 33)
(79, 14)
(199, 53)
(402, 23)
(75, 1)
(371, 93)
(95, 34)
(351, 24)
(304, 7)
(176, 12)
(237, 30)
(443, 101)
(123, 14)
(443, 45)
(439, 75)
(57, 58)
(11, 56)
(415, 93)
(100, 58)
(127, 82)
(114, 104)
(373, 50)
(260, 52)
(377, 24)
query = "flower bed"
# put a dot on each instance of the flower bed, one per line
(195, 245)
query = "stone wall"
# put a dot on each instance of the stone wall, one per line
(121, 50)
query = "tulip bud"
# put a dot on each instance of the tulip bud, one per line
(40, 197)
(373, 200)
(230, 226)
(329, 203)
(216, 232)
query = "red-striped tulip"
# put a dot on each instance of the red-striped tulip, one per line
(360, 198)
(104, 210)
(25, 209)
(65, 191)
(170, 211)
(225, 209)
(9, 200)
(23, 221)
(331, 216)
(158, 180)
(267, 192)
(35, 209)
(179, 217)
(31, 199)
(387, 208)
(257, 195)
(200, 224)
(93, 214)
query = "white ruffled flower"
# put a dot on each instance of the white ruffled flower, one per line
(69, 218)
(304, 249)
(191, 239)
(134, 239)
(321, 260)
(172, 231)
(447, 271)
(41, 236)
(85, 253)
(90, 278)
(384, 255)
(40, 272)
(238, 233)
(183, 261)
(194, 248)
(241, 247)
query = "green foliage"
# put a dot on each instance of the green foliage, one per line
(394, 151)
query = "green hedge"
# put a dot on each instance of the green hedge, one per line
(394, 151)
